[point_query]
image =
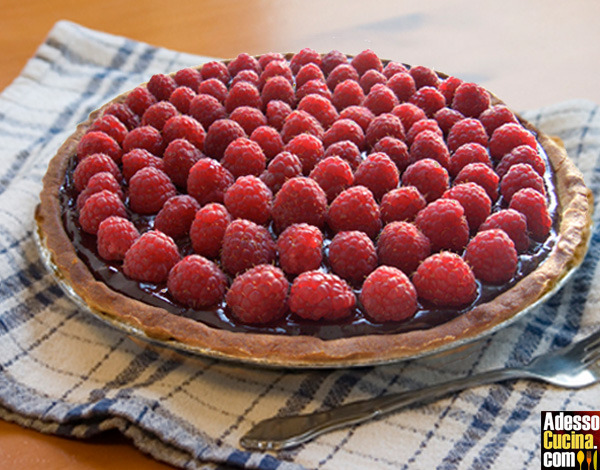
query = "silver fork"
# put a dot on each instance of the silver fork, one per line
(574, 366)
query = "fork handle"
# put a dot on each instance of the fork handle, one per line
(289, 431)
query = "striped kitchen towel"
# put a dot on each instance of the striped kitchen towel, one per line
(62, 371)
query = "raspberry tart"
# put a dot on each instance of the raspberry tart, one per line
(311, 210)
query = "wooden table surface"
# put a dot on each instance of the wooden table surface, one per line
(531, 54)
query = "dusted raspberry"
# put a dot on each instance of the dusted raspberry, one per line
(403, 246)
(430, 145)
(158, 114)
(444, 223)
(300, 200)
(206, 109)
(429, 99)
(392, 68)
(284, 166)
(340, 74)
(424, 76)
(124, 114)
(448, 87)
(208, 181)
(466, 131)
(220, 134)
(208, 228)
(384, 125)
(352, 256)
(396, 149)
(507, 137)
(313, 87)
(99, 142)
(300, 122)
(344, 129)
(513, 223)
(492, 256)
(149, 189)
(496, 116)
(246, 244)
(242, 94)
(331, 60)
(446, 280)
(269, 140)
(402, 203)
(347, 93)
(115, 236)
(215, 88)
(355, 209)
(466, 154)
(244, 157)
(359, 114)
(366, 60)
(136, 159)
(197, 282)
(110, 125)
(98, 207)
(91, 165)
(318, 296)
(176, 216)
(320, 108)
(300, 248)
(139, 100)
(408, 113)
(520, 176)
(161, 86)
(266, 59)
(181, 98)
(378, 173)
(388, 295)
(275, 68)
(151, 257)
(246, 76)
(333, 175)
(347, 151)
(403, 86)
(471, 100)
(474, 200)
(99, 182)
(215, 69)
(276, 112)
(145, 137)
(380, 100)
(249, 118)
(243, 61)
(446, 118)
(307, 73)
(370, 78)
(428, 176)
(423, 125)
(188, 77)
(481, 174)
(303, 57)
(521, 154)
(309, 150)
(259, 295)
(184, 127)
(249, 198)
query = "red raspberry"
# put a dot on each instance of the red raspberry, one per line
(320, 108)
(380, 100)
(184, 127)
(403, 86)
(392, 68)
(474, 200)
(446, 118)
(481, 174)
(99, 142)
(300, 248)
(99, 182)
(243, 61)
(266, 59)
(401, 204)
(444, 223)
(244, 157)
(331, 60)
(448, 87)
(269, 140)
(277, 112)
(300, 122)
(318, 296)
(340, 74)
(403, 246)
(359, 114)
(347, 151)
(492, 256)
(278, 88)
(309, 150)
(197, 282)
(445, 279)
(115, 236)
(429, 99)
(355, 209)
(145, 137)
(532, 205)
(521, 154)
(513, 223)
(220, 134)
(242, 94)
(161, 86)
(180, 156)
(424, 76)
(299, 200)
(214, 88)
(215, 69)
(423, 125)
(208, 181)
(249, 118)
(275, 68)
(137, 159)
(246, 244)
(303, 57)
(249, 198)
(188, 77)
(396, 149)
(494, 117)
(370, 78)
(384, 125)
(124, 114)
(388, 295)
(176, 216)
(408, 113)
(347, 93)
(430, 145)
(88, 167)
(366, 60)
(208, 228)
(333, 175)
(139, 100)
(149, 189)
(428, 176)
(158, 114)
(313, 87)
(466, 131)
(507, 137)
(471, 152)
(110, 125)
(206, 109)
(344, 129)
(352, 256)
(246, 76)
(520, 176)
(98, 207)
(378, 173)
(259, 295)
(307, 73)
(283, 167)
(151, 257)
(471, 100)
